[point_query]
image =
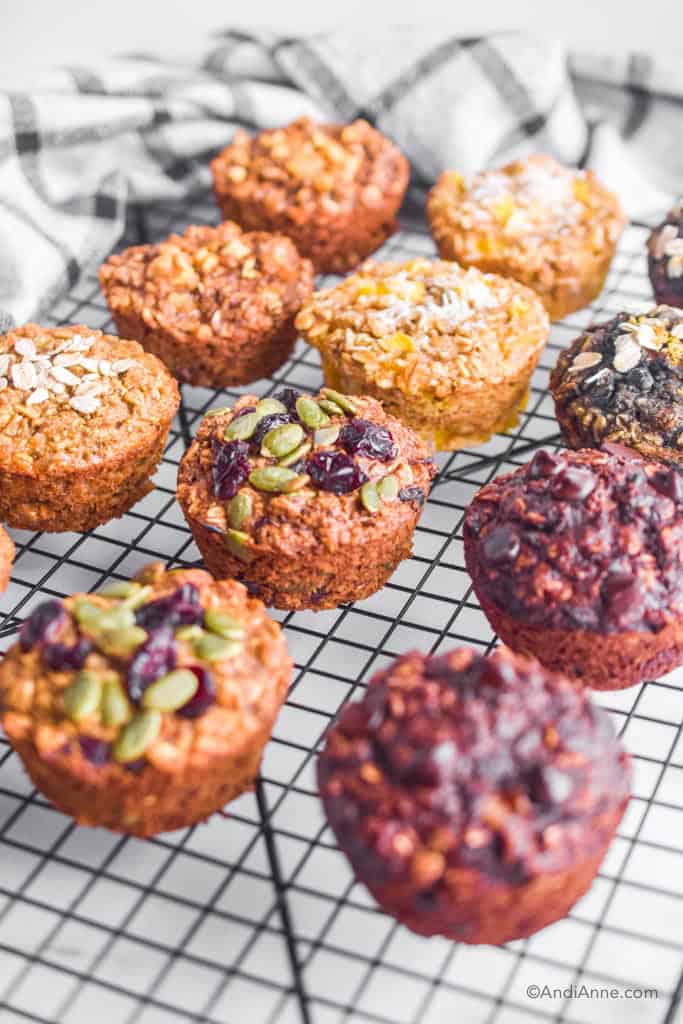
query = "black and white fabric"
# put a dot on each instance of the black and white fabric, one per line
(79, 143)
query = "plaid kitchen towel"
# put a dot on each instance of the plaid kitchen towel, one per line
(79, 143)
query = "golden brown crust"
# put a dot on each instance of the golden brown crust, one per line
(216, 305)
(447, 350)
(84, 418)
(7, 552)
(334, 190)
(550, 227)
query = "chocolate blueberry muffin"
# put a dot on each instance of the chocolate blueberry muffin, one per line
(334, 189)
(311, 501)
(577, 558)
(665, 258)
(216, 305)
(145, 707)
(622, 382)
(84, 419)
(474, 796)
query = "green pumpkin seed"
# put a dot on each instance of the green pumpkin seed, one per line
(282, 440)
(114, 705)
(369, 497)
(240, 509)
(299, 453)
(189, 632)
(237, 543)
(268, 406)
(387, 488)
(120, 588)
(122, 641)
(171, 691)
(330, 407)
(137, 736)
(211, 647)
(341, 400)
(82, 697)
(242, 427)
(218, 411)
(86, 611)
(310, 413)
(115, 617)
(271, 478)
(325, 437)
(223, 624)
(138, 597)
(297, 484)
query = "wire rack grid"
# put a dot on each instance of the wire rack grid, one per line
(254, 918)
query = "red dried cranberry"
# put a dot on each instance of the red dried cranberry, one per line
(155, 658)
(288, 397)
(276, 419)
(96, 751)
(335, 471)
(181, 608)
(501, 545)
(230, 467)
(360, 437)
(42, 625)
(573, 483)
(415, 494)
(205, 694)
(60, 657)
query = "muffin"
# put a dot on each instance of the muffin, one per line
(311, 501)
(449, 351)
(475, 797)
(551, 227)
(6, 558)
(84, 419)
(577, 558)
(216, 305)
(145, 708)
(665, 258)
(334, 189)
(621, 382)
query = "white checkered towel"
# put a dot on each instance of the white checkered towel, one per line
(77, 144)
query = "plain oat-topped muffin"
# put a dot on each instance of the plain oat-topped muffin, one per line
(84, 418)
(310, 500)
(145, 707)
(216, 305)
(551, 227)
(334, 189)
(447, 350)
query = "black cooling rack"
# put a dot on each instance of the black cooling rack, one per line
(254, 918)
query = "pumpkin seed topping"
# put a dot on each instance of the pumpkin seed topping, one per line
(137, 736)
(82, 697)
(114, 705)
(272, 478)
(310, 413)
(218, 411)
(120, 588)
(172, 691)
(115, 617)
(85, 611)
(331, 408)
(237, 543)
(369, 497)
(282, 440)
(242, 427)
(299, 453)
(211, 647)
(341, 400)
(122, 641)
(138, 597)
(387, 488)
(240, 509)
(268, 406)
(189, 632)
(223, 624)
(325, 437)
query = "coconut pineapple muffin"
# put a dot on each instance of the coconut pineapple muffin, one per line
(309, 500)
(333, 189)
(447, 350)
(84, 418)
(145, 708)
(216, 305)
(665, 258)
(551, 227)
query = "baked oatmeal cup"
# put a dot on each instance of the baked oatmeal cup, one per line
(449, 351)
(551, 227)
(665, 258)
(84, 418)
(311, 501)
(216, 305)
(333, 189)
(145, 708)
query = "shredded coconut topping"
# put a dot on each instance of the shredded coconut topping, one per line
(538, 194)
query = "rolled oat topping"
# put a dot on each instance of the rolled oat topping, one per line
(466, 762)
(582, 540)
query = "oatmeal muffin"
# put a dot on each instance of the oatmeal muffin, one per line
(553, 228)
(665, 258)
(84, 418)
(311, 501)
(577, 558)
(475, 797)
(6, 558)
(334, 189)
(216, 305)
(621, 382)
(449, 351)
(145, 708)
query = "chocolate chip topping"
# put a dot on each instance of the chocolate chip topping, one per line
(465, 761)
(581, 540)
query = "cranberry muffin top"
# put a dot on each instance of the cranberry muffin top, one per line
(462, 761)
(169, 669)
(72, 397)
(584, 540)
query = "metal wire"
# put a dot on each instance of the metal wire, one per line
(255, 917)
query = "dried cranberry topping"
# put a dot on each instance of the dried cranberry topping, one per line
(276, 419)
(230, 467)
(204, 696)
(335, 471)
(180, 608)
(288, 397)
(96, 751)
(155, 658)
(43, 624)
(61, 657)
(415, 494)
(360, 437)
